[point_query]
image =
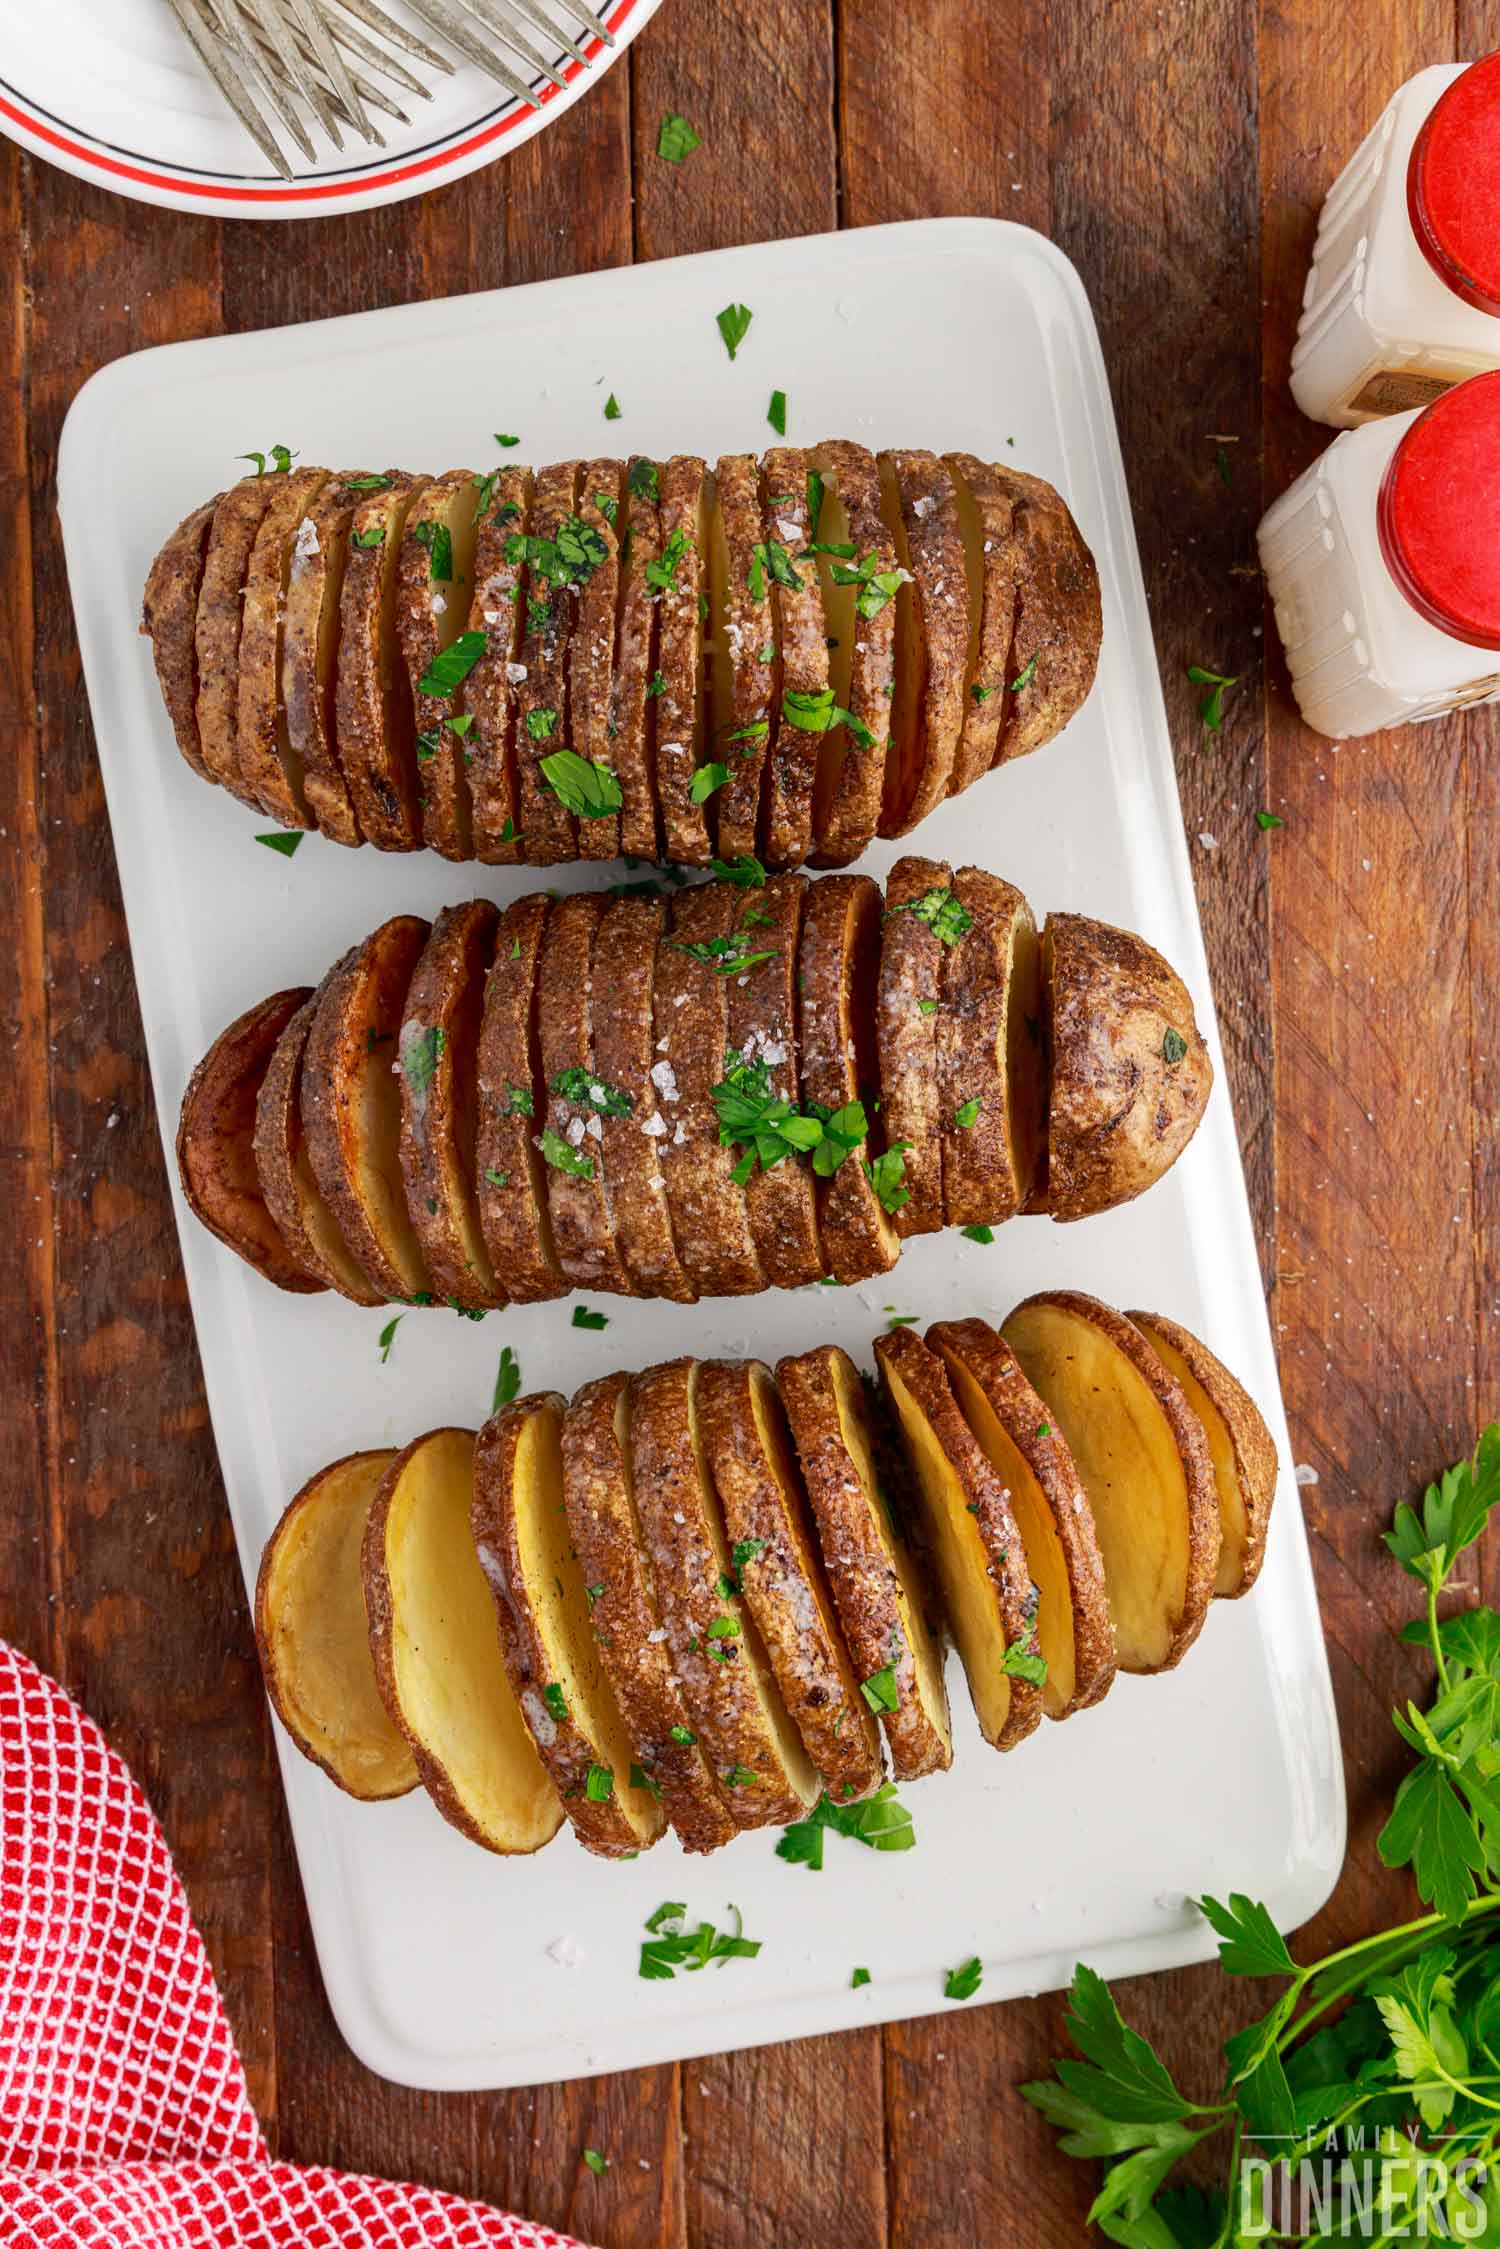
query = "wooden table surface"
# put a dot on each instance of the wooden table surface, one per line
(1178, 154)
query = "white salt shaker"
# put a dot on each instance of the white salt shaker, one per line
(1403, 298)
(1383, 562)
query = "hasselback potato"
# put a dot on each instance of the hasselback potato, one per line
(701, 1595)
(784, 657)
(735, 1086)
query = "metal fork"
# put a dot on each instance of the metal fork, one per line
(309, 62)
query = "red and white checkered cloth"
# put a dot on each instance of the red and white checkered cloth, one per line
(125, 2122)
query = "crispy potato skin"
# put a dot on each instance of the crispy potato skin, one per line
(981, 1181)
(836, 967)
(168, 618)
(1251, 1441)
(802, 645)
(625, 1054)
(676, 712)
(216, 1142)
(285, 1171)
(265, 766)
(442, 1012)
(372, 704)
(909, 996)
(1121, 1109)
(745, 709)
(216, 661)
(511, 1185)
(1059, 618)
(984, 499)
(847, 814)
(582, 1225)
(309, 656)
(929, 509)
(763, 1027)
(489, 695)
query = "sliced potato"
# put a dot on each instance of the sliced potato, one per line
(734, 1704)
(435, 581)
(620, 1587)
(511, 1182)
(529, 1557)
(351, 1104)
(216, 628)
(268, 767)
(762, 1030)
(775, 1562)
(168, 618)
(1144, 1462)
(439, 1056)
(677, 711)
(838, 960)
(986, 522)
(1131, 1075)
(310, 649)
(715, 930)
(634, 692)
(1241, 1447)
(624, 1031)
(313, 1638)
(878, 1591)
(375, 737)
(743, 654)
(550, 830)
(932, 638)
(293, 1196)
(991, 1080)
(437, 1658)
(973, 1538)
(1074, 1629)
(801, 684)
(578, 1097)
(1059, 622)
(908, 1001)
(591, 653)
(861, 625)
(489, 695)
(216, 1143)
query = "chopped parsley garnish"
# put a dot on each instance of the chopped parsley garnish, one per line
(438, 540)
(611, 408)
(706, 779)
(860, 1977)
(982, 694)
(844, 1130)
(745, 1550)
(734, 325)
(497, 1178)
(662, 573)
(583, 1317)
(594, 1592)
(746, 872)
(887, 1175)
(585, 1091)
(1024, 1660)
(670, 1945)
(760, 1123)
(600, 1784)
(285, 841)
(818, 713)
(507, 1380)
(927, 1007)
(372, 536)
(541, 724)
(556, 1701)
(282, 457)
(776, 412)
(757, 731)
(608, 505)
(656, 685)
(642, 481)
(880, 1822)
(430, 740)
(584, 786)
(984, 1235)
(452, 666)
(421, 1051)
(895, 1319)
(947, 915)
(962, 1983)
(364, 483)
(686, 1738)
(676, 138)
(876, 587)
(880, 1690)
(388, 1336)
(1211, 709)
(769, 558)
(723, 1628)
(562, 1157)
(1024, 678)
(739, 1776)
(1269, 820)
(519, 1100)
(1173, 1047)
(507, 442)
(726, 956)
(596, 2162)
(967, 1113)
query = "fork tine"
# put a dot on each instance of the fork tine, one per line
(278, 58)
(533, 14)
(355, 43)
(494, 21)
(375, 18)
(456, 31)
(209, 49)
(589, 20)
(333, 66)
(229, 29)
(375, 96)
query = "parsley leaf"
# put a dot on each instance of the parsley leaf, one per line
(887, 1175)
(984, 1235)
(880, 1690)
(880, 1822)
(1173, 1047)
(966, 1114)
(556, 1701)
(585, 1091)
(584, 1318)
(962, 1983)
(746, 872)
(676, 138)
(817, 712)
(596, 2162)
(507, 1380)
(642, 481)
(776, 412)
(611, 408)
(1024, 678)
(286, 842)
(421, 1051)
(671, 1945)
(450, 667)
(705, 780)
(585, 786)
(1265, 820)
(388, 1336)
(1251, 1945)
(1211, 709)
(733, 325)
(438, 540)
(662, 573)
(563, 1157)
(942, 912)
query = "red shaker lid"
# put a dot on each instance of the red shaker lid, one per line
(1453, 186)
(1439, 512)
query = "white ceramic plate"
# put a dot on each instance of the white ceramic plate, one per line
(1087, 1841)
(116, 95)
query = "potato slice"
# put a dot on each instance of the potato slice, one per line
(908, 1001)
(313, 1638)
(1059, 622)
(216, 1143)
(878, 1589)
(734, 1704)
(932, 638)
(838, 961)
(1130, 1070)
(775, 1561)
(310, 652)
(434, 585)
(973, 1538)
(168, 618)
(620, 1588)
(1074, 1629)
(743, 654)
(375, 737)
(860, 621)
(634, 692)
(489, 695)
(285, 1171)
(803, 706)
(986, 522)
(578, 1096)
(550, 599)
(1144, 1462)
(1240, 1445)
(216, 628)
(439, 1054)
(351, 1104)
(624, 1032)
(437, 1656)
(762, 1031)
(268, 765)
(528, 1554)
(591, 652)
(677, 712)
(991, 1076)
(511, 1184)
(715, 932)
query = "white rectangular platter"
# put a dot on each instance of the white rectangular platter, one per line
(440, 1961)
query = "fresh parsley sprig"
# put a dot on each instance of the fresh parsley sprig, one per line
(880, 1822)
